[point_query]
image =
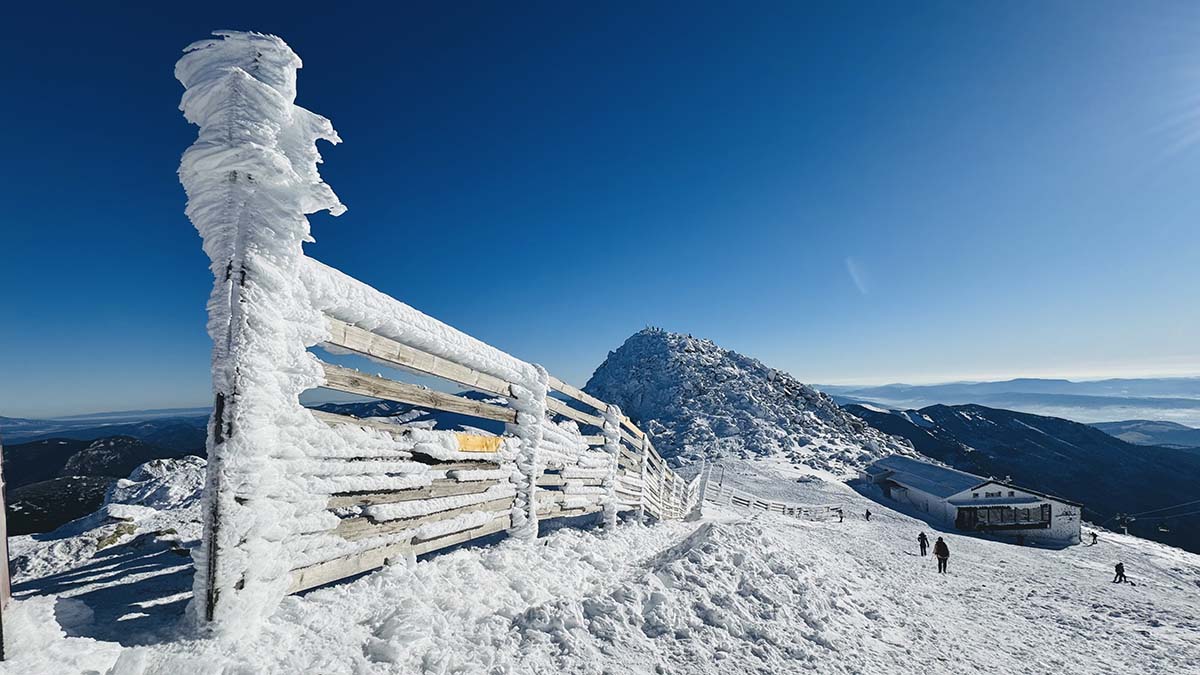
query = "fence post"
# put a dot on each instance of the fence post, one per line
(4, 580)
(612, 445)
(645, 442)
(529, 400)
(251, 177)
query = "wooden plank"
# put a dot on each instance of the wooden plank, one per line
(442, 487)
(557, 406)
(628, 424)
(353, 529)
(594, 440)
(355, 382)
(558, 512)
(393, 353)
(323, 573)
(577, 394)
(632, 440)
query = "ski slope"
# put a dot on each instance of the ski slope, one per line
(732, 591)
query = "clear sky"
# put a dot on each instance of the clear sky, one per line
(848, 191)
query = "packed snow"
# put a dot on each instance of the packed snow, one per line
(728, 591)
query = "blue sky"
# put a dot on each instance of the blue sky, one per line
(850, 192)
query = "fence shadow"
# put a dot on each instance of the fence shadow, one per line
(134, 593)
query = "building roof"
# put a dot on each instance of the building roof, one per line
(936, 480)
(994, 501)
(1043, 495)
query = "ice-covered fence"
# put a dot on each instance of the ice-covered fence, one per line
(298, 498)
(723, 495)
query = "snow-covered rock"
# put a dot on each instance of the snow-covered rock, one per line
(699, 400)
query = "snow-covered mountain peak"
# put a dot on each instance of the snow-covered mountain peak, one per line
(697, 400)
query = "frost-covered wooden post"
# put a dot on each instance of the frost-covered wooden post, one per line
(645, 442)
(612, 445)
(529, 400)
(250, 177)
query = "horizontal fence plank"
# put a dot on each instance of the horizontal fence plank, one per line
(355, 382)
(594, 440)
(339, 568)
(577, 394)
(365, 342)
(442, 487)
(557, 406)
(353, 529)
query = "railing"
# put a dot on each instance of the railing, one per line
(298, 498)
(723, 495)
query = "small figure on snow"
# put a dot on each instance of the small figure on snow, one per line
(1120, 577)
(841, 515)
(868, 514)
(923, 542)
(1093, 538)
(942, 552)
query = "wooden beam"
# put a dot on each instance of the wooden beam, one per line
(443, 487)
(393, 353)
(353, 529)
(346, 566)
(355, 382)
(557, 406)
(577, 394)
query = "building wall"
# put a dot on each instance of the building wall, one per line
(1065, 519)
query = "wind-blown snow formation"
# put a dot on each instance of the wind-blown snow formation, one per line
(699, 400)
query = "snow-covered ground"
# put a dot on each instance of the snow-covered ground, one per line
(729, 592)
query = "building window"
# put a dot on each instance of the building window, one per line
(989, 495)
(974, 495)
(1011, 493)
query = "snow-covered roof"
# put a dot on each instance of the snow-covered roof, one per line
(936, 480)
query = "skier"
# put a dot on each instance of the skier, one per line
(1120, 577)
(923, 542)
(1093, 539)
(942, 552)
(868, 514)
(841, 515)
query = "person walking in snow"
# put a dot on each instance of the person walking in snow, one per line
(841, 515)
(1120, 577)
(1093, 539)
(942, 552)
(923, 542)
(868, 514)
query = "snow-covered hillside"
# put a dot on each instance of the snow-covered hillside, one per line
(699, 400)
(729, 592)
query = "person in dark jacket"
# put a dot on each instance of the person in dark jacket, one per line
(1120, 577)
(1094, 537)
(923, 542)
(942, 552)
(868, 514)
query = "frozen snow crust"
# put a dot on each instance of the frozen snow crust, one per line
(733, 592)
(699, 400)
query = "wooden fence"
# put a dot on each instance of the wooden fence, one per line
(298, 498)
(578, 475)
(723, 495)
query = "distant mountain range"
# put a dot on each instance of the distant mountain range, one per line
(1148, 432)
(167, 427)
(1174, 399)
(1076, 461)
